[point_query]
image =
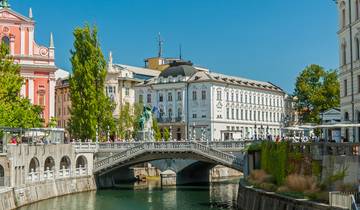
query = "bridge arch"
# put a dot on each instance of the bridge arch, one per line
(49, 164)
(34, 165)
(65, 163)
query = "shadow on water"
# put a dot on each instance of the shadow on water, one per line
(148, 196)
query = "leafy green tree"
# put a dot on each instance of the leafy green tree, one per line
(90, 109)
(126, 120)
(15, 111)
(157, 132)
(52, 123)
(138, 110)
(166, 134)
(317, 90)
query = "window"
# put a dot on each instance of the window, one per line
(242, 114)
(141, 98)
(357, 9)
(343, 18)
(232, 114)
(179, 112)
(255, 115)
(345, 87)
(179, 96)
(203, 95)
(194, 95)
(237, 97)
(148, 98)
(127, 91)
(346, 116)
(246, 99)
(161, 97)
(194, 116)
(357, 48)
(343, 53)
(227, 96)
(6, 41)
(246, 115)
(170, 113)
(250, 115)
(250, 99)
(170, 97)
(232, 96)
(259, 116)
(227, 113)
(237, 114)
(218, 95)
(358, 83)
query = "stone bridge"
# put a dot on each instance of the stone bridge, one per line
(112, 159)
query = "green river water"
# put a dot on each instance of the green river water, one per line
(148, 196)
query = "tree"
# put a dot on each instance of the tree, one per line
(126, 120)
(317, 90)
(138, 110)
(157, 132)
(90, 109)
(166, 134)
(15, 111)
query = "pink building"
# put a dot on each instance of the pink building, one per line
(37, 62)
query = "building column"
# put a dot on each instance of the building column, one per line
(12, 45)
(22, 43)
(31, 40)
(31, 90)
(52, 98)
(23, 90)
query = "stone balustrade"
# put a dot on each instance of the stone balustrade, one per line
(36, 176)
(169, 147)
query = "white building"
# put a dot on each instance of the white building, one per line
(120, 82)
(208, 105)
(349, 76)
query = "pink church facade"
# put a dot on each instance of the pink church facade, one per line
(37, 62)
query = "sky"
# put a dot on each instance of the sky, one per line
(267, 40)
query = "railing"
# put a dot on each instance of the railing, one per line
(220, 145)
(85, 146)
(35, 176)
(321, 149)
(168, 147)
(343, 200)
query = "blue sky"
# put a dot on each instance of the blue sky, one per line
(269, 40)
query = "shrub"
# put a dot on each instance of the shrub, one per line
(301, 183)
(259, 176)
(268, 187)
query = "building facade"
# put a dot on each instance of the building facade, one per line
(349, 70)
(37, 62)
(121, 80)
(198, 104)
(63, 102)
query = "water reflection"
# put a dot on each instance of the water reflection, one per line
(148, 196)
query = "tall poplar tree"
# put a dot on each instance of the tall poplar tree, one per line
(15, 111)
(90, 108)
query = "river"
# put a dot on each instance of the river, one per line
(148, 196)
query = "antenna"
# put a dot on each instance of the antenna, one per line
(160, 43)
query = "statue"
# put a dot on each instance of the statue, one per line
(145, 124)
(4, 4)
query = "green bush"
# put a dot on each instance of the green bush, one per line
(274, 160)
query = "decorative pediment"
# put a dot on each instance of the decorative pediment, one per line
(9, 14)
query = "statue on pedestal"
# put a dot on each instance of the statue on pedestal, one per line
(146, 124)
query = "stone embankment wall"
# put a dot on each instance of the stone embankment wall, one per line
(255, 199)
(20, 196)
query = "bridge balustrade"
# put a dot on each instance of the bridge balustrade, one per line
(321, 149)
(185, 146)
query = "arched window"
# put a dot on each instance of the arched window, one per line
(34, 165)
(343, 53)
(49, 164)
(2, 176)
(179, 112)
(6, 40)
(65, 163)
(81, 162)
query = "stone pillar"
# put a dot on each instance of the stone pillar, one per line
(31, 40)
(23, 90)
(12, 45)
(31, 90)
(52, 97)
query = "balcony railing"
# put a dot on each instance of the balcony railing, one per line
(169, 119)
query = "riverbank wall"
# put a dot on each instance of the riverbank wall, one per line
(255, 199)
(11, 198)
